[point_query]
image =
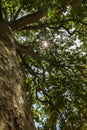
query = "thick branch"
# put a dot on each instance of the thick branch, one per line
(52, 25)
(34, 27)
(35, 56)
(28, 51)
(28, 19)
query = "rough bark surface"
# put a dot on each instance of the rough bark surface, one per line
(14, 111)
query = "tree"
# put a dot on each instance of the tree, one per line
(54, 65)
(14, 113)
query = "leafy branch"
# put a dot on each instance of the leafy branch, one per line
(35, 56)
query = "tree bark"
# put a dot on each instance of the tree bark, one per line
(14, 109)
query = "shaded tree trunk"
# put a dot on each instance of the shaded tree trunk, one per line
(14, 109)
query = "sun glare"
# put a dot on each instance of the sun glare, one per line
(45, 44)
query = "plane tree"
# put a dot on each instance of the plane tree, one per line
(48, 39)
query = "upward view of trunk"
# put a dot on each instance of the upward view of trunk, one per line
(14, 109)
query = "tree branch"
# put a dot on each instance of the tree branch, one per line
(1, 18)
(35, 56)
(16, 25)
(52, 25)
(47, 97)
(38, 98)
(27, 66)
(28, 51)
(17, 13)
(25, 20)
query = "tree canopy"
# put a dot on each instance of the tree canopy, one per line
(50, 37)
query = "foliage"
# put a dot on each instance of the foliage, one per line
(56, 87)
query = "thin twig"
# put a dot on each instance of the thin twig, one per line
(17, 13)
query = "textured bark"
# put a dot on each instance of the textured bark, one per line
(14, 109)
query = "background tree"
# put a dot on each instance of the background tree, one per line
(50, 38)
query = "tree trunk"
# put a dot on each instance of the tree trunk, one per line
(14, 109)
